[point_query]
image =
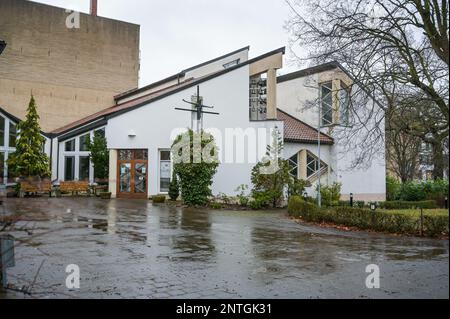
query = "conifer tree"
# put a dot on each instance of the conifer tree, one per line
(29, 159)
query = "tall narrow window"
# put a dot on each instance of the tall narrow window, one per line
(327, 103)
(69, 168)
(84, 142)
(2, 131)
(344, 105)
(165, 171)
(12, 134)
(258, 98)
(70, 146)
(83, 174)
(293, 166)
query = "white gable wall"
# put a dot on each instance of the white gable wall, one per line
(216, 66)
(154, 123)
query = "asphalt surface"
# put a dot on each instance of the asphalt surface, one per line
(132, 249)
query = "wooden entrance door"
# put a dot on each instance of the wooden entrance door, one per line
(132, 174)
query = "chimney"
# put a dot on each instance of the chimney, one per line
(94, 7)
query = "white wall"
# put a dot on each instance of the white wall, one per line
(296, 96)
(369, 183)
(217, 65)
(194, 73)
(154, 123)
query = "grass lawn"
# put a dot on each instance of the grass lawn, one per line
(416, 212)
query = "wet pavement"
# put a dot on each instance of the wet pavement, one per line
(132, 249)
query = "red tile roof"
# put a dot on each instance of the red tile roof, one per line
(298, 131)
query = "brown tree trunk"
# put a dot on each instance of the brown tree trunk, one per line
(438, 161)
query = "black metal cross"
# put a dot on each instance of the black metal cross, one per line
(198, 108)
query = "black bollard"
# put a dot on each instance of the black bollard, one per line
(351, 199)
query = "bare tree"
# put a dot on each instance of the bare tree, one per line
(388, 47)
(402, 149)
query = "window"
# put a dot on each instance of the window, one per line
(12, 134)
(165, 168)
(100, 132)
(69, 168)
(258, 99)
(312, 166)
(83, 173)
(70, 146)
(344, 105)
(84, 143)
(326, 91)
(293, 166)
(2, 131)
(231, 64)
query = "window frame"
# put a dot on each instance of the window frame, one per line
(330, 110)
(294, 165)
(73, 157)
(160, 190)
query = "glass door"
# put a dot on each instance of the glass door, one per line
(132, 174)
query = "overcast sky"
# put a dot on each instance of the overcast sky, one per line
(177, 34)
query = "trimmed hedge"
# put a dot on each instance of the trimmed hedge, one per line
(300, 208)
(427, 204)
(159, 199)
(368, 220)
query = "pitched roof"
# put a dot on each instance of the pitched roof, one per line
(300, 132)
(175, 76)
(154, 96)
(16, 119)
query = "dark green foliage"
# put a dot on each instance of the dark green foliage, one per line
(99, 156)
(300, 208)
(430, 204)
(29, 159)
(174, 188)
(360, 204)
(262, 200)
(215, 205)
(436, 225)
(159, 199)
(195, 172)
(297, 186)
(268, 186)
(368, 220)
(242, 197)
(393, 187)
(417, 190)
(331, 194)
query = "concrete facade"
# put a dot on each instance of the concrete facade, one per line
(72, 72)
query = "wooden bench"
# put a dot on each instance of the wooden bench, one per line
(75, 187)
(35, 187)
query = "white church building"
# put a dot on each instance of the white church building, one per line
(250, 100)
